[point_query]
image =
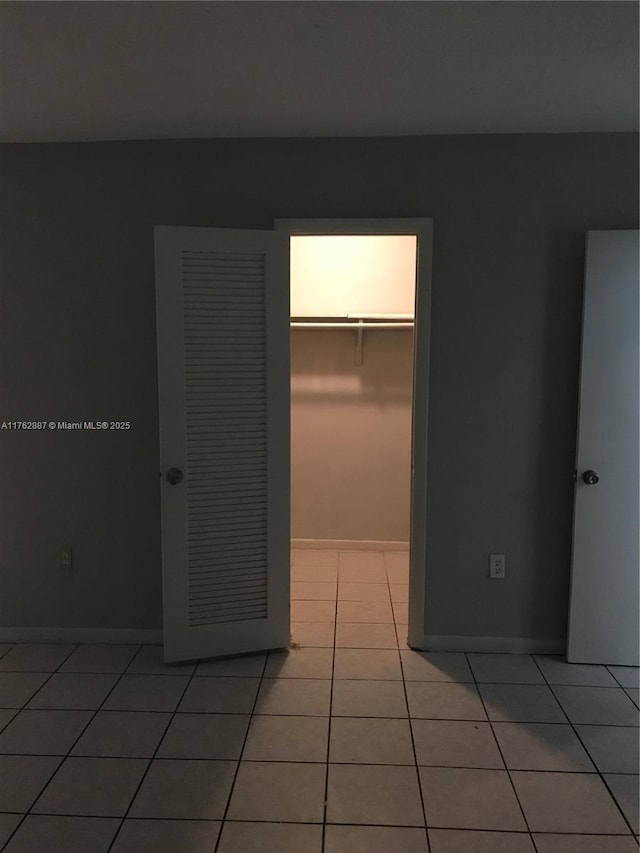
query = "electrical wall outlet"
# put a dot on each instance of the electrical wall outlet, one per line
(65, 557)
(496, 566)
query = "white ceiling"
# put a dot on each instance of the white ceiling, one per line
(140, 70)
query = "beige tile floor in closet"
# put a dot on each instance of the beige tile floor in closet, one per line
(348, 743)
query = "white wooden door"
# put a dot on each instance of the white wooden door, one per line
(603, 614)
(223, 375)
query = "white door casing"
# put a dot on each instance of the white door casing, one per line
(423, 229)
(223, 376)
(604, 605)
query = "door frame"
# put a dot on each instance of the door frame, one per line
(423, 230)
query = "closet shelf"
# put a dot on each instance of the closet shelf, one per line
(357, 322)
(354, 321)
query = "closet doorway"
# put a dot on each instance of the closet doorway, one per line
(359, 330)
(224, 378)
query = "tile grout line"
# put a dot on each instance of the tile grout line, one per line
(11, 647)
(406, 700)
(64, 757)
(224, 818)
(333, 668)
(584, 746)
(337, 823)
(152, 757)
(621, 685)
(511, 782)
(303, 761)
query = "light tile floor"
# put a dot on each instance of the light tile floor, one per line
(349, 741)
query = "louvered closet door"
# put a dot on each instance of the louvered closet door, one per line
(223, 372)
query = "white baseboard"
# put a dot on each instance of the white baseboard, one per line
(152, 636)
(348, 545)
(506, 645)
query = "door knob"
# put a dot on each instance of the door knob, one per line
(590, 478)
(174, 476)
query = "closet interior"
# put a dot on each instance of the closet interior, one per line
(352, 367)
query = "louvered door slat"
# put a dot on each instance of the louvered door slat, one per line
(220, 294)
(202, 565)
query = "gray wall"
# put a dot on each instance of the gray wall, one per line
(77, 341)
